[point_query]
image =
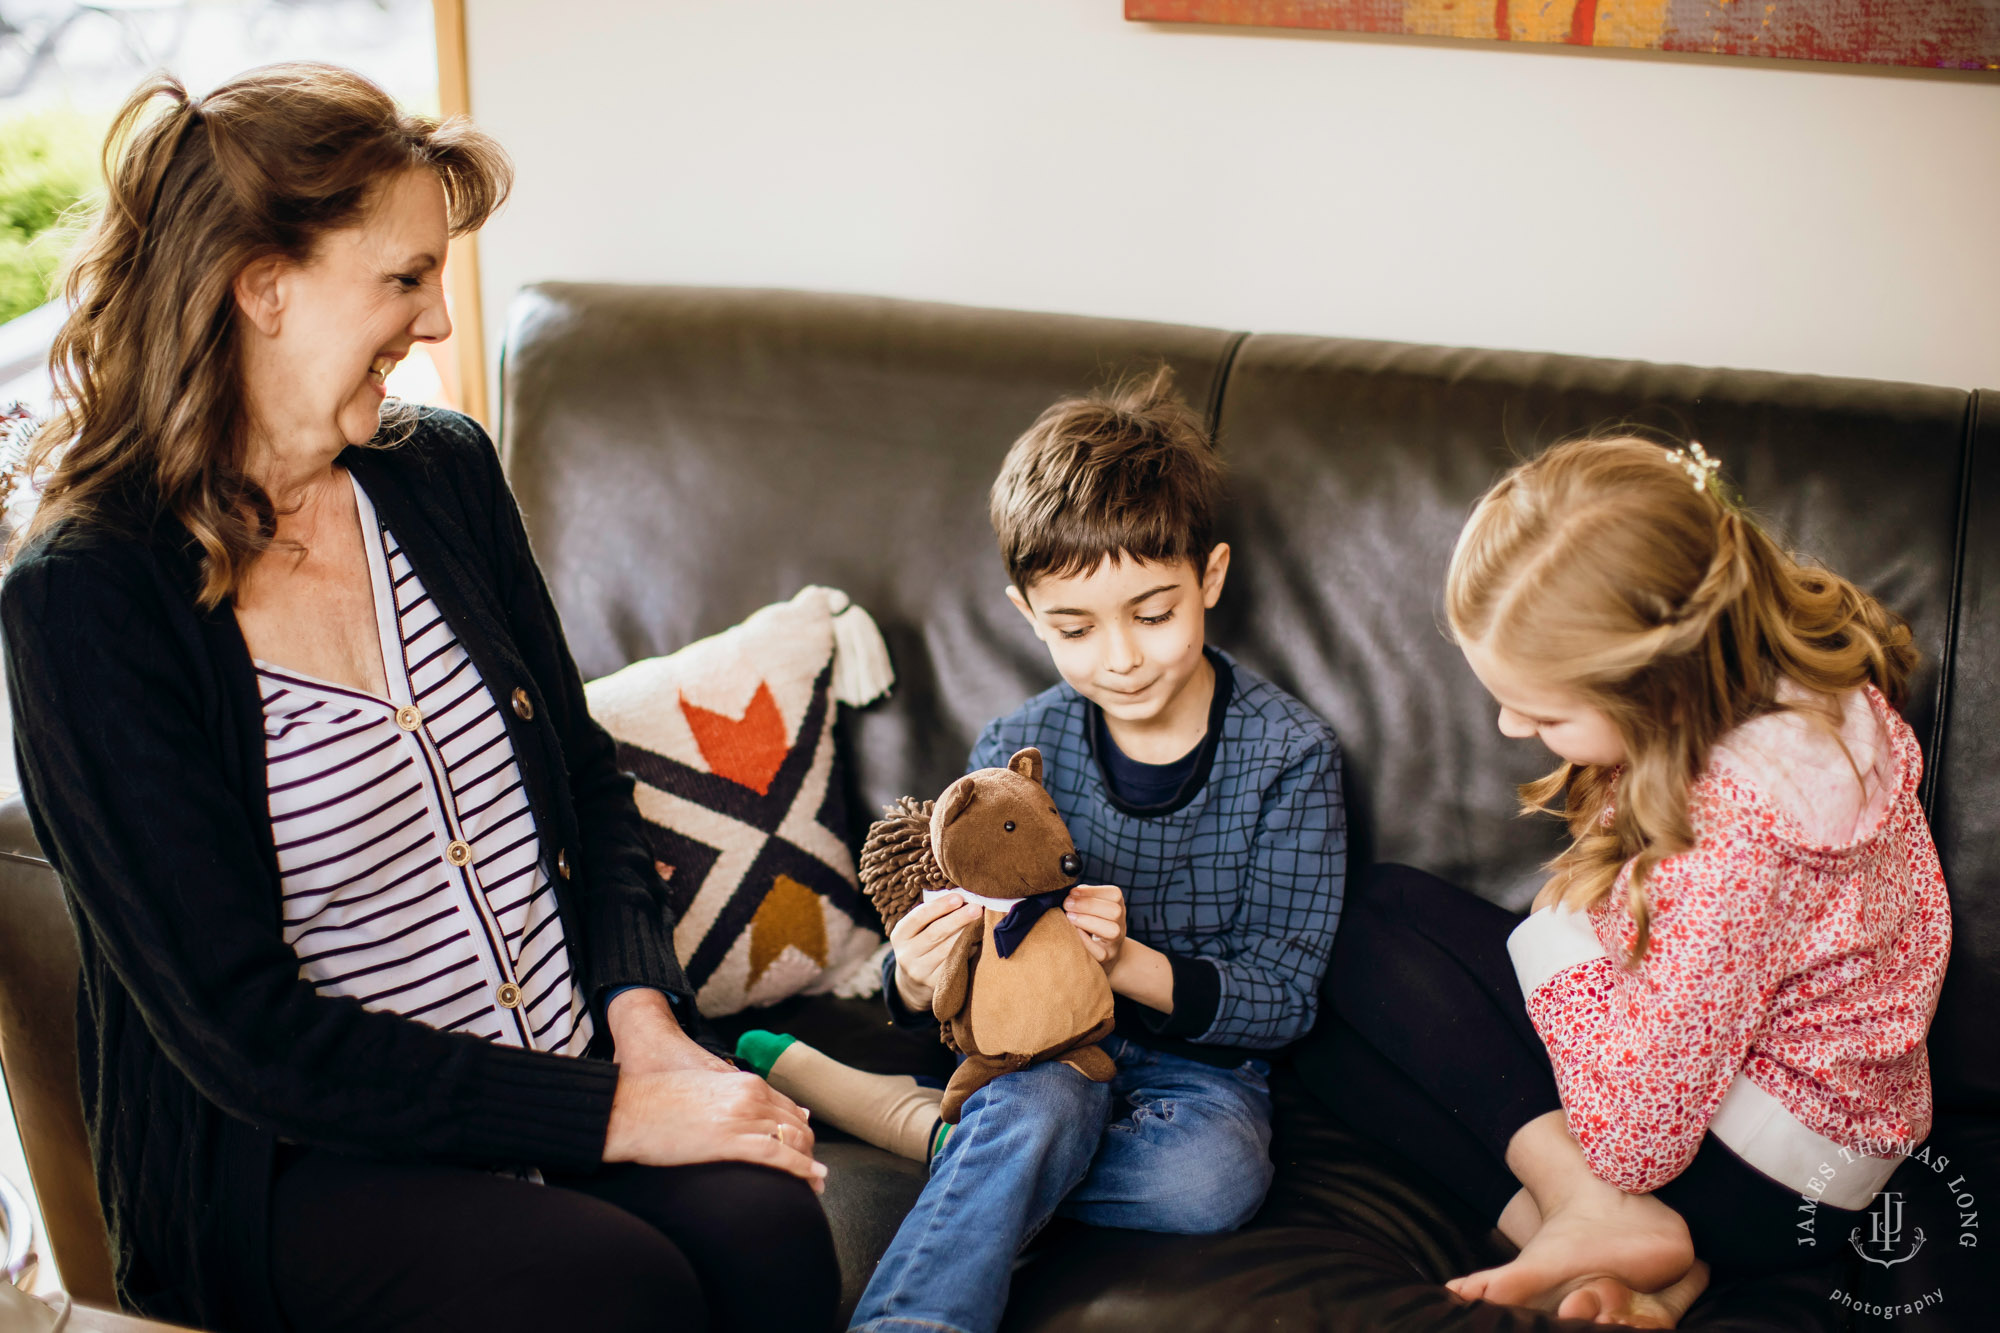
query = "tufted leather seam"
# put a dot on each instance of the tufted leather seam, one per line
(1220, 386)
(1947, 657)
(502, 440)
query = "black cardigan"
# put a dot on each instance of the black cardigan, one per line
(140, 740)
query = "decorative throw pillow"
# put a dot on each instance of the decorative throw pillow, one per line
(739, 782)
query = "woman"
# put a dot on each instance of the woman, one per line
(364, 906)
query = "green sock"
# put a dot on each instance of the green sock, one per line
(938, 1136)
(760, 1049)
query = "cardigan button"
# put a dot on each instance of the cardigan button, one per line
(562, 863)
(509, 995)
(459, 853)
(408, 718)
(524, 708)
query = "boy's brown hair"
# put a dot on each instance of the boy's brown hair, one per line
(1128, 471)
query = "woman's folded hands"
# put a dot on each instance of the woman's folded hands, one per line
(701, 1115)
(678, 1103)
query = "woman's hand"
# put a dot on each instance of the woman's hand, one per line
(1098, 913)
(648, 1039)
(698, 1115)
(923, 940)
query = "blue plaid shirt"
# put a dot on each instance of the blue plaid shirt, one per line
(1245, 880)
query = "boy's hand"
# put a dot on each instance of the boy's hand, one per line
(1098, 913)
(922, 941)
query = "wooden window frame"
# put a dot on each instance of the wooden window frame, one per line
(462, 266)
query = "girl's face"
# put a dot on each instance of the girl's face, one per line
(1557, 717)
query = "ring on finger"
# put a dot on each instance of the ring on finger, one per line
(779, 1135)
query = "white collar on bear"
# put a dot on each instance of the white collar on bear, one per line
(1000, 905)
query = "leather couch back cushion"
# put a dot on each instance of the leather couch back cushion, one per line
(686, 455)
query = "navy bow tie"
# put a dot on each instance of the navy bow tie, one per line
(1014, 926)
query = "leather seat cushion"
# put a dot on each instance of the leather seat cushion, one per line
(1351, 1237)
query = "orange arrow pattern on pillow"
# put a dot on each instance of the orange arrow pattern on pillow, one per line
(748, 750)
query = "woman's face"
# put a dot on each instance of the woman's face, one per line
(334, 327)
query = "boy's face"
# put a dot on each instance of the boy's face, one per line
(1128, 634)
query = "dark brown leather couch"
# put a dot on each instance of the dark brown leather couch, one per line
(685, 455)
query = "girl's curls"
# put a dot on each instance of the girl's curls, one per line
(1596, 568)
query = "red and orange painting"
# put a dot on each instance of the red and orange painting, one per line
(1941, 34)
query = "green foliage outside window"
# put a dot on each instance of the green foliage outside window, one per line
(48, 165)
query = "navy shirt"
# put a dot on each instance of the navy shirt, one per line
(1160, 789)
(1136, 784)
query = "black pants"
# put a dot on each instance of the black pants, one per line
(367, 1245)
(1429, 1051)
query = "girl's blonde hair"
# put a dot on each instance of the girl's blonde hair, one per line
(1618, 570)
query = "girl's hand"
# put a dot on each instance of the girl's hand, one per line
(922, 941)
(1098, 913)
(692, 1116)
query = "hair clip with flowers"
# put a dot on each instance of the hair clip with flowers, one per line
(1696, 462)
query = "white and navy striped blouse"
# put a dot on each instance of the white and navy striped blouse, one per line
(410, 865)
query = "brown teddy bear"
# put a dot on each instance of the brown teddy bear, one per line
(1018, 986)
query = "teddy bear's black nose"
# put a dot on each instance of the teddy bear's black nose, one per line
(1069, 864)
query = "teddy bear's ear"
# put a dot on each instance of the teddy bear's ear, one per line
(957, 799)
(1028, 763)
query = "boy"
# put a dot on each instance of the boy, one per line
(1207, 795)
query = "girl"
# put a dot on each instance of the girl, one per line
(1719, 1002)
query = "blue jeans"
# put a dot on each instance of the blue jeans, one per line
(1170, 1144)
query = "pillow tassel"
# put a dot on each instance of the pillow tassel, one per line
(862, 672)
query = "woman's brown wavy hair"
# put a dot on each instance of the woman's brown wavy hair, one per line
(149, 418)
(1603, 568)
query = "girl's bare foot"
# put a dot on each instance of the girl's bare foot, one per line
(1520, 1219)
(1609, 1301)
(1590, 1229)
(1599, 1233)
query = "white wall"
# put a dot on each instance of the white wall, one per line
(1046, 154)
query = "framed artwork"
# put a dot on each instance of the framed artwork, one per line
(1940, 34)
